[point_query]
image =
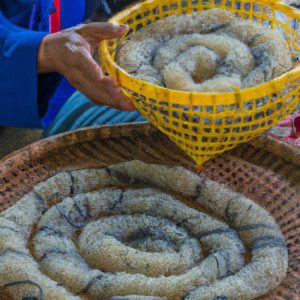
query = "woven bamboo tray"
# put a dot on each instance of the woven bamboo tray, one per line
(267, 171)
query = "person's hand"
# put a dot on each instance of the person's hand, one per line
(69, 53)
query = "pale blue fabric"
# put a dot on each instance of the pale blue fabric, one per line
(79, 112)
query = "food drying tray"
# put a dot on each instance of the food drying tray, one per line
(266, 170)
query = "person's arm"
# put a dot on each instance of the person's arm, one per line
(24, 54)
(18, 75)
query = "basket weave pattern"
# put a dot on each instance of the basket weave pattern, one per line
(267, 171)
(206, 124)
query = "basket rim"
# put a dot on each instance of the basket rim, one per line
(274, 85)
(287, 152)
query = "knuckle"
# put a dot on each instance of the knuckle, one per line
(74, 38)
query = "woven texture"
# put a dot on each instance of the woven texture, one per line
(204, 125)
(267, 171)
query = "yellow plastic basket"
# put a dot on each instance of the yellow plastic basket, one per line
(207, 124)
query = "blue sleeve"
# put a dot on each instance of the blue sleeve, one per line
(18, 75)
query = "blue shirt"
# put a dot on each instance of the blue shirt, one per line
(25, 95)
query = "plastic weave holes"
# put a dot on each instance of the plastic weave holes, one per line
(207, 124)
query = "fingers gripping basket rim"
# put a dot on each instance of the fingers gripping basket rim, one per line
(204, 125)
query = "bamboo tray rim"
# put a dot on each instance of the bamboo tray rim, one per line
(287, 151)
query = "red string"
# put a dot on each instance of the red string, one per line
(55, 18)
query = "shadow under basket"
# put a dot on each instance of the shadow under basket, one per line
(265, 170)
